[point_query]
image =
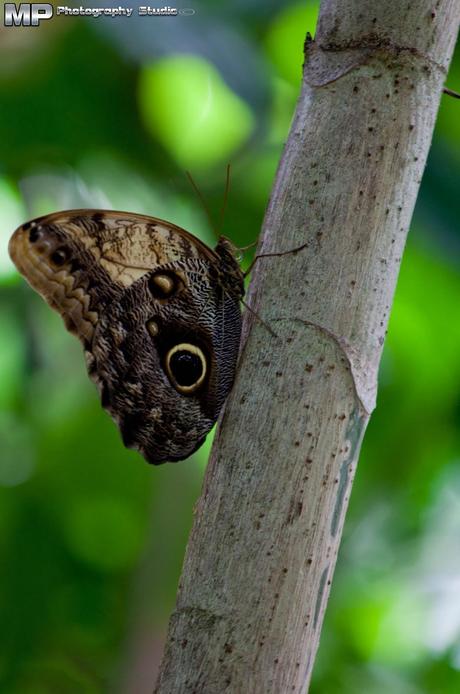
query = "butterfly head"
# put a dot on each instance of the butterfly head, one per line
(230, 275)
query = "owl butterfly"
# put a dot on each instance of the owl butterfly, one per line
(157, 312)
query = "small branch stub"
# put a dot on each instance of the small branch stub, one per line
(450, 92)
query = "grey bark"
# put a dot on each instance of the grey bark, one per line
(267, 528)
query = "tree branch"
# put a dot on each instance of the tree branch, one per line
(267, 528)
(450, 92)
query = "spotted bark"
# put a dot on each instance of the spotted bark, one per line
(267, 528)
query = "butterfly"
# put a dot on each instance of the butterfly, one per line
(156, 310)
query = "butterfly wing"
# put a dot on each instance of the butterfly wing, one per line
(159, 330)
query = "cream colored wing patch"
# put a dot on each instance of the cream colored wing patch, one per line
(128, 245)
(81, 259)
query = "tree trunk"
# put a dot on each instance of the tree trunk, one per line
(262, 551)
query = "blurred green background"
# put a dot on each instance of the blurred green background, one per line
(110, 113)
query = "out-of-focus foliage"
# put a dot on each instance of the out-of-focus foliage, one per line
(108, 113)
(287, 34)
(192, 126)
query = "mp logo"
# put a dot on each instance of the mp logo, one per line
(26, 14)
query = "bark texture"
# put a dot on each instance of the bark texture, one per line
(267, 529)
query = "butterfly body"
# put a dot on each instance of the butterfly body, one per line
(157, 312)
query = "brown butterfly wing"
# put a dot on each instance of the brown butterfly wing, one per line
(147, 300)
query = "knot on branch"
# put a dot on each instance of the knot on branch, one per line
(328, 61)
(363, 376)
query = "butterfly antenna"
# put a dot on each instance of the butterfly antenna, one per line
(224, 203)
(202, 200)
